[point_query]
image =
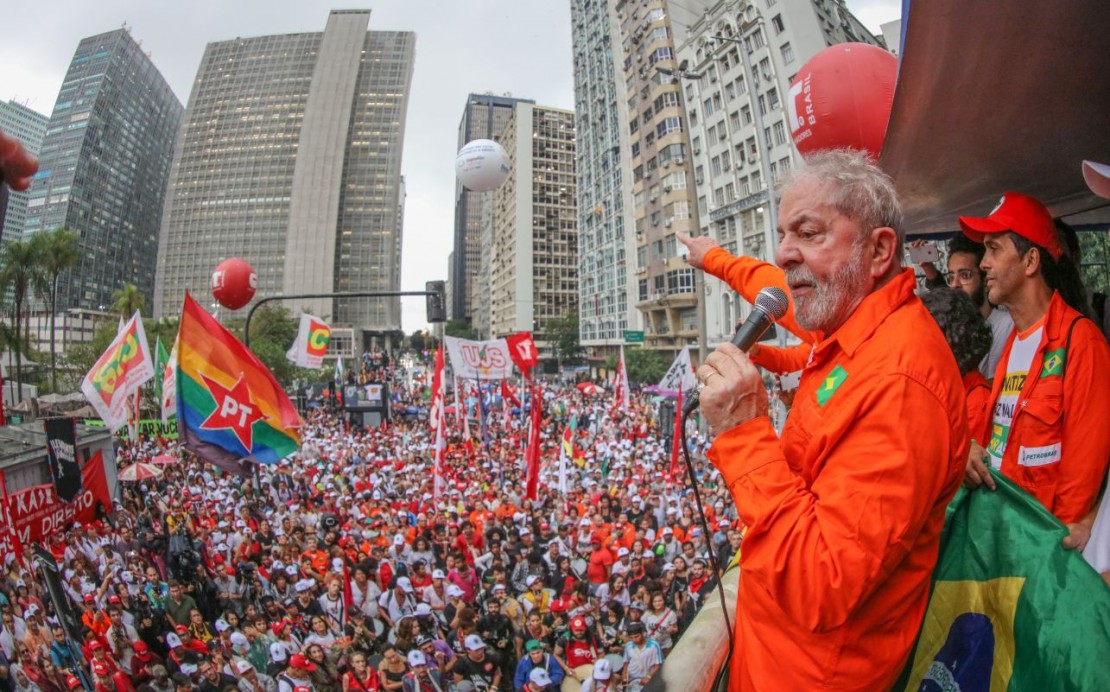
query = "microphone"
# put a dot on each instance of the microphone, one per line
(770, 306)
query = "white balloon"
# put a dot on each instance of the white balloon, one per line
(482, 165)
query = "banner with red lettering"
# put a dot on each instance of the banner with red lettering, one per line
(486, 360)
(36, 512)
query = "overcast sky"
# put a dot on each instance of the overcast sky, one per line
(520, 47)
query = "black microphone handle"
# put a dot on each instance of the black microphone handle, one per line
(746, 336)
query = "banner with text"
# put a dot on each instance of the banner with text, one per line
(149, 428)
(472, 360)
(37, 512)
(123, 367)
(61, 453)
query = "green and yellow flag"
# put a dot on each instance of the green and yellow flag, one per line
(1010, 608)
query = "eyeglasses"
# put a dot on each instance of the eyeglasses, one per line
(962, 276)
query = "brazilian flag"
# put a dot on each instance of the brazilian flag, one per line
(1010, 608)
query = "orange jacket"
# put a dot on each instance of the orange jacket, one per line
(748, 276)
(781, 360)
(977, 390)
(844, 512)
(1059, 439)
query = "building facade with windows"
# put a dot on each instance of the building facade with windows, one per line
(290, 157)
(29, 127)
(533, 255)
(607, 293)
(484, 117)
(103, 168)
(738, 114)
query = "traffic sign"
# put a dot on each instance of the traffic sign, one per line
(634, 337)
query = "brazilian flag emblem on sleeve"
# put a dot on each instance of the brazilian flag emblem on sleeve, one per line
(1010, 608)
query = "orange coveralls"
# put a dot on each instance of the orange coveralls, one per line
(844, 513)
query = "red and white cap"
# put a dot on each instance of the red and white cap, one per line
(1021, 214)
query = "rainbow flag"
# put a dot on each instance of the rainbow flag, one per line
(230, 409)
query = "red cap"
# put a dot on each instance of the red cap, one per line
(95, 645)
(1021, 214)
(578, 623)
(114, 599)
(558, 605)
(72, 681)
(101, 668)
(89, 598)
(301, 662)
(181, 629)
(140, 647)
(277, 627)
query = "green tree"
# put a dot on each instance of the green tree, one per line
(562, 334)
(55, 252)
(460, 329)
(645, 366)
(18, 268)
(127, 300)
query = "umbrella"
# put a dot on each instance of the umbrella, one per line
(588, 388)
(140, 471)
(164, 459)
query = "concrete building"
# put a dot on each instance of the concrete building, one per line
(663, 192)
(72, 326)
(484, 117)
(533, 257)
(737, 110)
(29, 127)
(103, 167)
(607, 294)
(290, 157)
(892, 35)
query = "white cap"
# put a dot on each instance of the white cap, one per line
(474, 642)
(532, 579)
(455, 592)
(404, 584)
(438, 574)
(304, 585)
(172, 640)
(423, 609)
(539, 677)
(278, 652)
(622, 552)
(417, 658)
(243, 666)
(603, 670)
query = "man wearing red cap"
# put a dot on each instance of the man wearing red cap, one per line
(1050, 406)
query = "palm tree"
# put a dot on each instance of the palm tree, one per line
(56, 252)
(17, 274)
(127, 300)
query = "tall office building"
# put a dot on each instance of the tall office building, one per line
(533, 257)
(661, 181)
(103, 167)
(484, 117)
(606, 239)
(740, 62)
(29, 127)
(290, 157)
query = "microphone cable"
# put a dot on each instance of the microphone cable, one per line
(712, 556)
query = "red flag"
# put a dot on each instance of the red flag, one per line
(620, 387)
(523, 351)
(12, 539)
(532, 455)
(676, 441)
(507, 394)
(439, 425)
(436, 412)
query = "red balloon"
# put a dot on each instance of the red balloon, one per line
(842, 97)
(234, 283)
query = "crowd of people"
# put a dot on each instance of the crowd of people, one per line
(339, 569)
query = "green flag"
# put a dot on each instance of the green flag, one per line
(1010, 608)
(161, 357)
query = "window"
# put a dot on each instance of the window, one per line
(708, 107)
(780, 133)
(680, 281)
(773, 98)
(711, 135)
(776, 22)
(756, 39)
(730, 192)
(787, 53)
(635, 149)
(725, 163)
(734, 120)
(719, 197)
(746, 114)
(668, 125)
(696, 143)
(659, 55)
(730, 90)
(716, 165)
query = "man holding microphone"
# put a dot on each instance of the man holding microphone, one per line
(844, 512)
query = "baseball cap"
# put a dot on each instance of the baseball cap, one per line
(532, 579)
(622, 552)
(578, 623)
(244, 666)
(1021, 214)
(72, 681)
(532, 645)
(405, 584)
(438, 574)
(454, 591)
(277, 652)
(101, 668)
(558, 605)
(417, 658)
(603, 670)
(1097, 176)
(172, 640)
(634, 628)
(301, 662)
(539, 677)
(474, 642)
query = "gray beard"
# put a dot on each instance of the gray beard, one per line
(823, 309)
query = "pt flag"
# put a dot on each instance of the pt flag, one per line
(311, 344)
(523, 351)
(1010, 608)
(119, 372)
(229, 406)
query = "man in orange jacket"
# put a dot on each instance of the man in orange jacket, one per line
(1050, 407)
(844, 512)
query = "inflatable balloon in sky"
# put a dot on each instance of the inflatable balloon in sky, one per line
(482, 165)
(234, 283)
(842, 98)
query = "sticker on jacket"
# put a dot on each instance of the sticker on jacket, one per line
(1054, 362)
(832, 383)
(1039, 456)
